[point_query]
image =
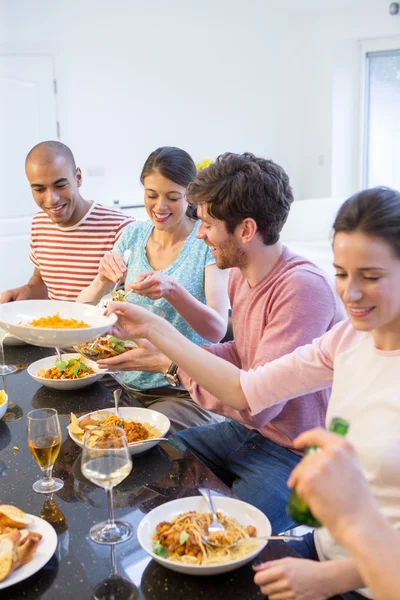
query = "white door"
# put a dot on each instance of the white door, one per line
(27, 117)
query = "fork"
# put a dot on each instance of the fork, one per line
(215, 526)
(283, 538)
(125, 258)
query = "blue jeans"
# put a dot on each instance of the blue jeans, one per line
(256, 468)
(306, 548)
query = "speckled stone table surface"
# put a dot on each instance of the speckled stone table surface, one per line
(81, 569)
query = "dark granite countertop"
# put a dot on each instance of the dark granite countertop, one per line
(80, 568)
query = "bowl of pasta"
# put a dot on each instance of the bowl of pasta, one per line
(172, 534)
(54, 323)
(142, 426)
(72, 372)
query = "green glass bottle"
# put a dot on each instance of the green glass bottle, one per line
(296, 508)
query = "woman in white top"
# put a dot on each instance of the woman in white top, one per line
(333, 486)
(359, 358)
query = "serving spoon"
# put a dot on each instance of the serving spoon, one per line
(117, 395)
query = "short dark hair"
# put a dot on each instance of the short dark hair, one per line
(374, 212)
(52, 148)
(174, 164)
(240, 186)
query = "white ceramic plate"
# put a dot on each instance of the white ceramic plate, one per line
(44, 552)
(13, 314)
(243, 512)
(64, 384)
(3, 408)
(11, 340)
(142, 415)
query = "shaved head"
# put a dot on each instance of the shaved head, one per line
(47, 152)
(55, 182)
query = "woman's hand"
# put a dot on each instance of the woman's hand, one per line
(331, 481)
(152, 284)
(112, 267)
(292, 579)
(145, 357)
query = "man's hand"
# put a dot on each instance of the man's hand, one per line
(145, 357)
(152, 284)
(133, 320)
(331, 482)
(20, 293)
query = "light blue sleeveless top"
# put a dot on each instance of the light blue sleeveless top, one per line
(187, 269)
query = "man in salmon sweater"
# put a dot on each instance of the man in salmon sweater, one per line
(279, 301)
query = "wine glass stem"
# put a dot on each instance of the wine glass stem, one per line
(47, 471)
(111, 518)
(2, 360)
(4, 383)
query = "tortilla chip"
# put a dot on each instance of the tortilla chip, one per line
(73, 427)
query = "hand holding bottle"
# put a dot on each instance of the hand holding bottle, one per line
(331, 483)
(296, 507)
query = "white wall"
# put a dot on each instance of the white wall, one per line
(277, 78)
(332, 85)
(133, 75)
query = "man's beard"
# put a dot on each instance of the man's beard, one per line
(230, 255)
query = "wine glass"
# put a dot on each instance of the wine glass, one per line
(106, 462)
(4, 369)
(44, 442)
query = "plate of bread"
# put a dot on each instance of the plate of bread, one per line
(26, 544)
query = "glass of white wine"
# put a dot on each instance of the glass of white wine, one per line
(44, 442)
(106, 462)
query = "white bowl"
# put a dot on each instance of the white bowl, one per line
(142, 415)
(3, 408)
(64, 384)
(14, 315)
(243, 512)
(11, 340)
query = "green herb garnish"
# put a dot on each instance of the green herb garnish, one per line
(61, 365)
(160, 550)
(183, 537)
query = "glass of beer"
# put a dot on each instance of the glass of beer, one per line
(44, 442)
(106, 462)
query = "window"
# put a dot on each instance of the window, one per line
(381, 146)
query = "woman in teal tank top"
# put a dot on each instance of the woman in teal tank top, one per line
(168, 267)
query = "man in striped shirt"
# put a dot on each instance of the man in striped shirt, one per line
(69, 235)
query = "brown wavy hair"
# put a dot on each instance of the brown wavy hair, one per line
(240, 186)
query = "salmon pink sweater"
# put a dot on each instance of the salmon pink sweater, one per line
(293, 304)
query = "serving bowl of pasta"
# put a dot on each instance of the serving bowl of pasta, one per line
(72, 372)
(172, 534)
(54, 323)
(142, 426)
